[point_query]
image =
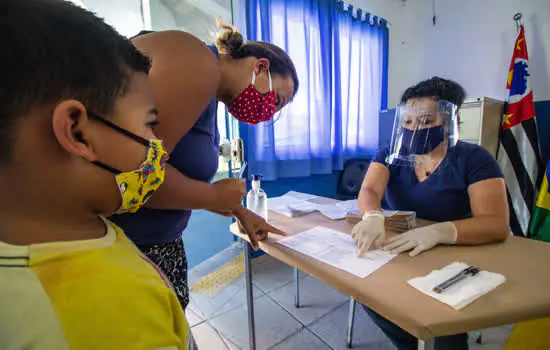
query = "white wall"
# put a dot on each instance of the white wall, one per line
(472, 43)
(197, 18)
(123, 15)
(162, 18)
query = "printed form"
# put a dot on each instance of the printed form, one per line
(337, 249)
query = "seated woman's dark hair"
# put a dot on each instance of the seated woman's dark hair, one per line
(442, 89)
(232, 43)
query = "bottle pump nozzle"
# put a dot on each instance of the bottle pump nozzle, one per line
(256, 178)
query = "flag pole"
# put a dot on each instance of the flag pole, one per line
(517, 19)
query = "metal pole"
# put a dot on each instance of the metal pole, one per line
(426, 344)
(249, 296)
(517, 19)
(351, 321)
(145, 6)
(296, 288)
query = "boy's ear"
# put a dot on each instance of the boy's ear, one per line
(71, 127)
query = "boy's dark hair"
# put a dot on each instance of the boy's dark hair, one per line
(54, 50)
(439, 88)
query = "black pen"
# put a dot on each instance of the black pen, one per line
(470, 271)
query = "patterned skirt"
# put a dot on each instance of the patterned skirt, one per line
(171, 259)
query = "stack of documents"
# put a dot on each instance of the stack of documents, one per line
(396, 220)
(337, 249)
(400, 221)
(294, 204)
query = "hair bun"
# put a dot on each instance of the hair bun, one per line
(230, 40)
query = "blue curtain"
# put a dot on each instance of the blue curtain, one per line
(341, 56)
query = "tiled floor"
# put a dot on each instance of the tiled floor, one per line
(220, 322)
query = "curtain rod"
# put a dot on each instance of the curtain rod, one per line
(347, 3)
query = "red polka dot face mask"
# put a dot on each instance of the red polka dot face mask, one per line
(253, 107)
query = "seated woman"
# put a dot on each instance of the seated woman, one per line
(427, 170)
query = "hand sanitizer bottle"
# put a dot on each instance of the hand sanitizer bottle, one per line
(256, 200)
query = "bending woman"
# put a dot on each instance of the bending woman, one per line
(254, 80)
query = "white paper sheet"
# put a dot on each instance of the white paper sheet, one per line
(282, 201)
(337, 249)
(332, 211)
(353, 207)
(302, 208)
(300, 195)
(349, 205)
(281, 205)
(291, 206)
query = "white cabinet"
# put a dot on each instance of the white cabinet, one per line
(480, 120)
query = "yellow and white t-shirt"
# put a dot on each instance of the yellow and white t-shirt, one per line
(94, 294)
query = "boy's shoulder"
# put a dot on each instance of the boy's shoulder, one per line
(105, 296)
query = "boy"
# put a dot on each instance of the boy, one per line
(76, 145)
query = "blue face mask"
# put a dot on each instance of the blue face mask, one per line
(421, 141)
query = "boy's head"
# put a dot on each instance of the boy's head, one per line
(60, 65)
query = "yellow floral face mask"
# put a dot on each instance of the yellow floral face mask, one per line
(137, 186)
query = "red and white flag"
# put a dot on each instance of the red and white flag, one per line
(519, 154)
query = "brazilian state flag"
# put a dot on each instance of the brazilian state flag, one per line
(540, 221)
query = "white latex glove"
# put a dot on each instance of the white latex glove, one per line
(370, 232)
(423, 238)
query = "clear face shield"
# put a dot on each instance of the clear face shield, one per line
(421, 126)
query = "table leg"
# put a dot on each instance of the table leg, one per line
(426, 344)
(477, 336)
(249, 296)
(296, 287)
(351, 321)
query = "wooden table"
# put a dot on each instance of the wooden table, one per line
(525, 295)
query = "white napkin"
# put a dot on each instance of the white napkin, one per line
(462, 293)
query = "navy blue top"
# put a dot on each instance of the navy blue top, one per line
(195, 156)
(443, 196)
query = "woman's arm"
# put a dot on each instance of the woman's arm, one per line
(373, 187)
(185, 75)
(489, 223)
(181, 192)
(490, 216)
